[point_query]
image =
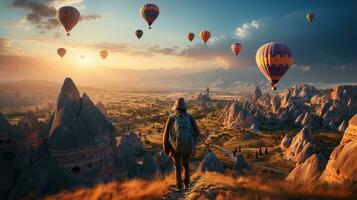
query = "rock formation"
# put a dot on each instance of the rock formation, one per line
(351, 130)
(257, 94)
(308, 171)
(286, 141)
(301, 146)
(30, 125)
(11, 139)
(165, 163)
(149, 167)
(241, 166)
(342, 165)
(210, 163)
(102, 108)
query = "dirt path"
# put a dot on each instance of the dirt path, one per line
(185, 194)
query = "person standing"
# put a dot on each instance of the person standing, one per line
(180, 134)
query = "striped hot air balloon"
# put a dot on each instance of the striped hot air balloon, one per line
(236, 47)
(68, 16)
(149, 12)
(190, 36)
(274, 59)
(205, 35)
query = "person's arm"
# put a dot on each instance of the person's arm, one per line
(195, 127)
(166, 143)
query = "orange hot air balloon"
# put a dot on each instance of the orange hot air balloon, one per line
(149, 12)
(236, 47)
(68, 16)
(61, 52)
(274, 60)
(205, 35)
(103, 54)
(190, 36)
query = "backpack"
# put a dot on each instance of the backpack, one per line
(181, 134)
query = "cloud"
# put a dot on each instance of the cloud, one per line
(133, 50)
(245, 30)
(217, 50)
(43, 13)
(5, 44)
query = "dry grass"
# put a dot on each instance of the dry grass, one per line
(229, 187)
(128, 190)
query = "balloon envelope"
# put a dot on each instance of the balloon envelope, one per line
(274, 60)
(139, 33)
(205, 35)
(149, 12)
(236, 47)
(310, 17)
(103, 54)
(61, 52)
(68, 16)
(190, 36)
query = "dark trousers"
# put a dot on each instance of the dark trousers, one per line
(182, 159)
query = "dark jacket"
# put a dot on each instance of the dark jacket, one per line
(166, 142)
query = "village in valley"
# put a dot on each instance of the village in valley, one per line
(303, 135)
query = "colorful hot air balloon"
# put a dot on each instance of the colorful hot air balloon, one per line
(68, 16)
(190, 36)
(273, 60)
(61, 52)
(139, 33)
(310, 17)
(205, 35)
(149, 12)
(103, 54)
(236, 47)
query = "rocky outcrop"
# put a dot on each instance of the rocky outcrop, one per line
(102, 108)
(165, 163)
(257, 94)
(241, 166)
(210, 163)
(308, 171)
(301, 146)
(149, 167)
(286, 141)
(342, 165)
(11, 139)
(351, 130)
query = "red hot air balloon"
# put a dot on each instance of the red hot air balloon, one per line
(68, 16)
(139, 33)
(103, 54)
(190, 36)
(236, 47)
(205, 35)
(61, 52)
(149, 12)
(274, 60)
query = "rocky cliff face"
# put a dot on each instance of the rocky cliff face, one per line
(342, 165)
(308, 171)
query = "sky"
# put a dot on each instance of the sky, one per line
(30, 35)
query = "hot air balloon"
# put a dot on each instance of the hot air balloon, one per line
(82, 57)
(139, 33)
(190, 36)
(103, 54)
(205, 35)
(273, 60)
(68, 16)
(61, 52)
(236, 47)
(310, 17)
(149, 12)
